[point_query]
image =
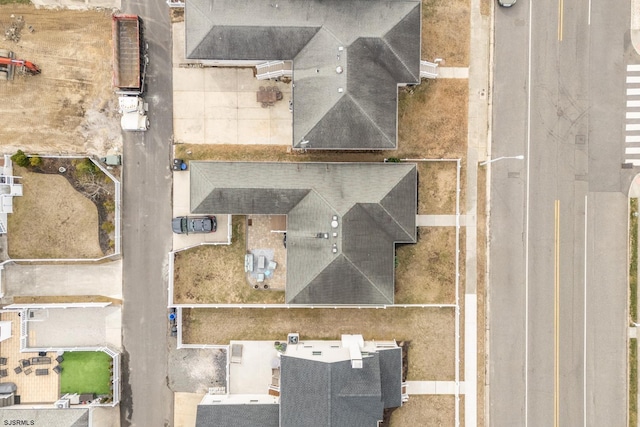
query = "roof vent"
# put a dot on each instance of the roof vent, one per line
(334, 223)
(340, 90)
(334, 248)
(339, 69)
(340, 48)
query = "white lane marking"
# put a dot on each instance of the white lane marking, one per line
(632, 150)
(633, 79)
(632, 138)
(629, 127)
(584, 354)
(634, 162)
(633, 67)
(633, 114)
(633, 91)
(633, 104)
(526, 235)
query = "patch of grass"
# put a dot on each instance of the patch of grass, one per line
(426, 270)
(446, 32)
(481, 289)
(215, 274)
(425, 410)
(430, 331)
(51, 220)
(437, 188)
(85, 372)
(3, 2)
(633, 260)
(633, 382)
(432, 120)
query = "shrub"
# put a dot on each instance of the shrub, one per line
(109, 205)
(20, 159)
(86, 167)
(35, 161)
(108, 226)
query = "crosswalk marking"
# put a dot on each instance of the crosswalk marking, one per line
(632, 116)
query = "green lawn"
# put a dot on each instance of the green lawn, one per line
(85, 372)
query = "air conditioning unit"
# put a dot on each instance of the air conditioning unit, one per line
(293, 338)
(62, 403)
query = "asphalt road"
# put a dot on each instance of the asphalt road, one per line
(147, 400)
(557, 303)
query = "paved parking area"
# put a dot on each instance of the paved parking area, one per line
(75, 327)
(217, 105)
(253, 373)
(181, 207)
(68, 279)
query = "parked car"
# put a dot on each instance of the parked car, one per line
(506, 3)
(194, 224)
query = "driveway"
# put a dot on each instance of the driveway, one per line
(181, 207)
(217, 105)
(70, 279)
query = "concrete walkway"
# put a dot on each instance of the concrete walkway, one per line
(453, 72)
(439, 220)
(433, 387)
(478, 137)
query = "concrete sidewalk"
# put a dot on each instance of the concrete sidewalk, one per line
(439, 220)
(478, 139)
(433, 387)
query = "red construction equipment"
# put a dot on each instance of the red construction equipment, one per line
(8, 65)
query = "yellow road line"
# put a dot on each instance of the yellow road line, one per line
(556, 320)
(560, 18)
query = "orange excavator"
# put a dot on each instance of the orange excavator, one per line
(8, 65)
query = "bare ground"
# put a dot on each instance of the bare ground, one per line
(426, 270)
(68, 230)
(437, 188)
(446, 32)
(430, 331)
(70, 106)
(425, 410)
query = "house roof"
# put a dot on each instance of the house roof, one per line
(238, 415)
(46, 417)
(374, 43)
(374, 205)
(335, 394)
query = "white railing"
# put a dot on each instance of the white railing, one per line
(273, 69)
(428, 69)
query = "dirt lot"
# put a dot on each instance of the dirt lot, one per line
(437, 188)
(426, 271)
(71, 226)
(70, 106)
(429, 330)
(434, 410)
(445, 31)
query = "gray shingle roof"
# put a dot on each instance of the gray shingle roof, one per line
(375, 204)
(316, 393)
(46, 417)
(238, 415)
(354, 109)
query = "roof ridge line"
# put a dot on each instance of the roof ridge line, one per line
(394, 220)
(398, 57)
(367, 277)
(383, 38)
(364, 113)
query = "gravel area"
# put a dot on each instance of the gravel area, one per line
(195, 370)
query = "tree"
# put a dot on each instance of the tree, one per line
(21, 159)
